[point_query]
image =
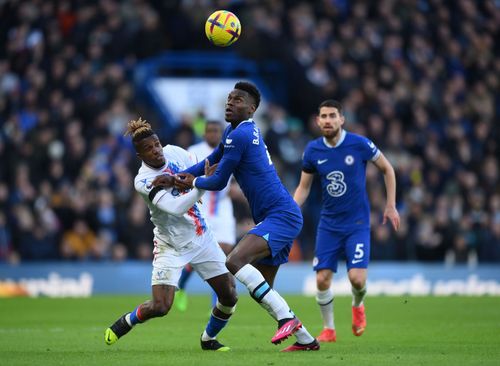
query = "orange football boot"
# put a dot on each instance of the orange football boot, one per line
(358, 320)
(327, 335)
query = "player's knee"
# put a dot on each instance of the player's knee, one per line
(233, 264)
(232, 299)
(161, 308)
(358, 282)
(229, 300)
(323, 281)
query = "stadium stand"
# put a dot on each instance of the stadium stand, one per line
(420, 78)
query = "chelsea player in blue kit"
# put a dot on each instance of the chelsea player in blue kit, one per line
(256, 258)
(339, 158)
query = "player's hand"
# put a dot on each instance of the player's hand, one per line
(210, 170)
(163, 180)
(392, 215)
(183, 181)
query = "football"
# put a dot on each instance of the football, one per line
(222, 28)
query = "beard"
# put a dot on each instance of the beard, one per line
(330, 134)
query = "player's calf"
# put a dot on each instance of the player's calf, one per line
(117, 330)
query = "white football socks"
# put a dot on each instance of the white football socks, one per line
(325, 302)
(262, 292)
(302, 335)
(127, 318)
(358, 296)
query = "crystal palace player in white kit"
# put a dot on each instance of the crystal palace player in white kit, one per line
(217, 208)
(181, 236)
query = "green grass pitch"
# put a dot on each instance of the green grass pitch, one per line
(401, 331)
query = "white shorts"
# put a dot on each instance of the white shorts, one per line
(203, 253)
(224, 229)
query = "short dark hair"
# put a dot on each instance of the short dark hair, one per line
(250, 89)
(331, 103)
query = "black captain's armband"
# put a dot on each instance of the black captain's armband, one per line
(309, 171)
(153, 192)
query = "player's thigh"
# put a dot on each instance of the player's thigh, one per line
(278, 230)
(226, 248)
(163, 294)
(357, 277)
(167, 268)
(357, 248)
(329, 246)
(209, 260)
(324, 279)
(249, 249)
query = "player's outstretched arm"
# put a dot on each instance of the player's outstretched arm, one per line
(174, 205)
(199, 169)
(220, 177)
(184, 181)
(303, 189)
(390, 212)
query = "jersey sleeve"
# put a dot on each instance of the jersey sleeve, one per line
(218, 181)
(142, 185)
(368, 149)
(234, 147)
(307, 161)
(175, 204)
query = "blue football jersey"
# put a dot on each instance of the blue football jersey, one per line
(255, 172)
(342, 170)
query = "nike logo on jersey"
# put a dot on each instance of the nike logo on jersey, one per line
(322, 161)
(228, 141)
(355, 261)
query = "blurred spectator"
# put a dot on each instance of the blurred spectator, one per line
(80, 242)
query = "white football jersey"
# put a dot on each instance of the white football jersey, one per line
(217, 206)
(176, 216)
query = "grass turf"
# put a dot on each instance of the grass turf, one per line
(401, 331)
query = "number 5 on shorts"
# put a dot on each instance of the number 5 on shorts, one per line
(359, 252)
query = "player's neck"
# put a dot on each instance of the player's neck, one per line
(236, 124)
(332, 141)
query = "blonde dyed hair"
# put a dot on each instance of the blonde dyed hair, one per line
(139, 129)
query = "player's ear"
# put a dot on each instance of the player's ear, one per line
(342, 119)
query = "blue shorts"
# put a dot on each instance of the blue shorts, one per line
(331, 243)
(279, 230)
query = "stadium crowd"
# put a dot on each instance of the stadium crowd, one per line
(419, 77)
